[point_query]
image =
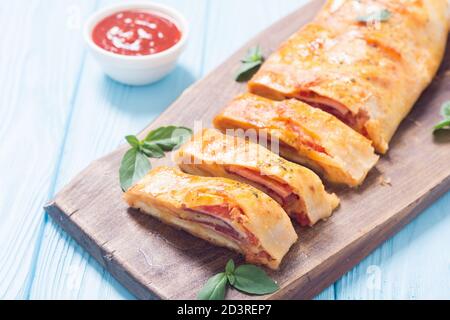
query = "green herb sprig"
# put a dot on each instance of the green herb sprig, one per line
(135, 163)
(246, 278)
(445, 123)
(376, 16)
(250, 64)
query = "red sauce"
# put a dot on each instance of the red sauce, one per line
(135, 33)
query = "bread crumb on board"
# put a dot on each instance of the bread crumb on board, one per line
(384, 181)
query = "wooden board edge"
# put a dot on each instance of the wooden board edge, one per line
(360, 248)
(299, 288)
(103, 256)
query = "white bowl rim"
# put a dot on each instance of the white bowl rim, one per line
(166, 11)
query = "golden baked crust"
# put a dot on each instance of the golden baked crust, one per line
(219, 210)
(299, 190)
(368, 74)
(307, 135)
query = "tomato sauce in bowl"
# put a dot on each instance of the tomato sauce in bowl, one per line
(135, 33)
(136, 43)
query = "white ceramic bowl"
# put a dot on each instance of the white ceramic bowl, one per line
(137, 70)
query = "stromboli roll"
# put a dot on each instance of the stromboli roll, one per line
(306, 135)
(367, 72)
(299, 190)
(222, 211)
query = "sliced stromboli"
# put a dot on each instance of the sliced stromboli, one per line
(297, 189)
(306, 135)
(366, 72)
(222, 211)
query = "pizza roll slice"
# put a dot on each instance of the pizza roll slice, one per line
(222, 211)
(368, 73)
(297, 189)
(305, 135)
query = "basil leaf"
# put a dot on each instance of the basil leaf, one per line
(152, 150)
(133, 167)
(445, 123)
(229, 270)
(135, 164)
(254, 54)
(133, 141)
(160, 133)
(250, 64)
(247, 70)
(179, 136)
(252, 279)
(442, 125)
(445, 111)
(377, 16)
(214, 288)
(169, 138)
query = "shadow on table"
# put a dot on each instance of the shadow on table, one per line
(442, 136)
(150, 99)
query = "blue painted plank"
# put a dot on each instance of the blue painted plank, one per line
(41, 55)
(414, 264)
(106, 111)
(64, 270)
(73, 122)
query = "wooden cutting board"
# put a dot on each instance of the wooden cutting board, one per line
(152, 259)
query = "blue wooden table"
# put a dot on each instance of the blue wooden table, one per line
(59, 112)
